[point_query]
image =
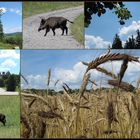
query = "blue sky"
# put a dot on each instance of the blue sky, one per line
(67, 67)
(10, 61)
(102, 29)
(12, 17)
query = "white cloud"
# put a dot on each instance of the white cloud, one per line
(73, 77)
(96, 42)
(9, 54)
(8, 63)
(35, 81)
(13, 30)
(70, 76)
(130, 29)
(3, 9)
(17, 11)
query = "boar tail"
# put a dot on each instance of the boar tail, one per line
(70, 21)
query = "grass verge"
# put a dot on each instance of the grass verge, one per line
(77, 29)
(10, 106)
(6, 46)
(33, 8)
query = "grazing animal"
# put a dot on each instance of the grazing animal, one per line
(2, 118)
(53, 23)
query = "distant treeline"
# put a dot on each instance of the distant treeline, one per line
(131, 43)
(72, 91)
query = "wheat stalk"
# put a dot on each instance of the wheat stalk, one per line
(123, 85)
(49, 114)
(36, 96)
(49, 77)
(24, 120)
(123, 69)
(84, 84)
(26, 81)
(108, 73)
(110, 57)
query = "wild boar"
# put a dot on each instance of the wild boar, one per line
(53, 23)
(3, 118)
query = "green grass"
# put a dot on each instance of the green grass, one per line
(78, 29)
(6, 46)
(10, 106)
(33, 8)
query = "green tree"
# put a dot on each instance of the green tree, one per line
(11, 83)
(99, 8)
(138, 40)
(1, 82)
(1, 28)
(130, 44)
(17, 78)
(117, 43)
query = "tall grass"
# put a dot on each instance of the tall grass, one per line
(78, 29)
(10, 106)
(6, 46)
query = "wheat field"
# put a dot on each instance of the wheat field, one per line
(101, 113)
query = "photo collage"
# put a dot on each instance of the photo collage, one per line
(69, 69)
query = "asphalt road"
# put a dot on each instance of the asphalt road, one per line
(32, 39)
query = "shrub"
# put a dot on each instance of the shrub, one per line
(1, 83)
(11, 83)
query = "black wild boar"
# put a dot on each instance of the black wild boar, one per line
(53, 23)
(3, 118)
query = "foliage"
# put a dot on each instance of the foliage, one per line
(133, 43)
(1, 28)
(11, 83)
(14, 40)
(100, 8)
(1, 83)
(117, 43)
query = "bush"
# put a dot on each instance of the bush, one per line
(14, 40)
(11, 83)
(2, 83)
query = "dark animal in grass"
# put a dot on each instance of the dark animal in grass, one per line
(53, 23)
(2, 118)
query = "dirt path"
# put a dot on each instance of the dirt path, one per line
(3, 92)
(32, 39)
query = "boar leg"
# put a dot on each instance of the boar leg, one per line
(62, 31)
(66, 28)
(53, 31)
(45, 32)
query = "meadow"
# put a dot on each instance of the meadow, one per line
(11, 41)
(10, 106)
(33, 8)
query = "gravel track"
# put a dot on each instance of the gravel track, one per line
(32, 39)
